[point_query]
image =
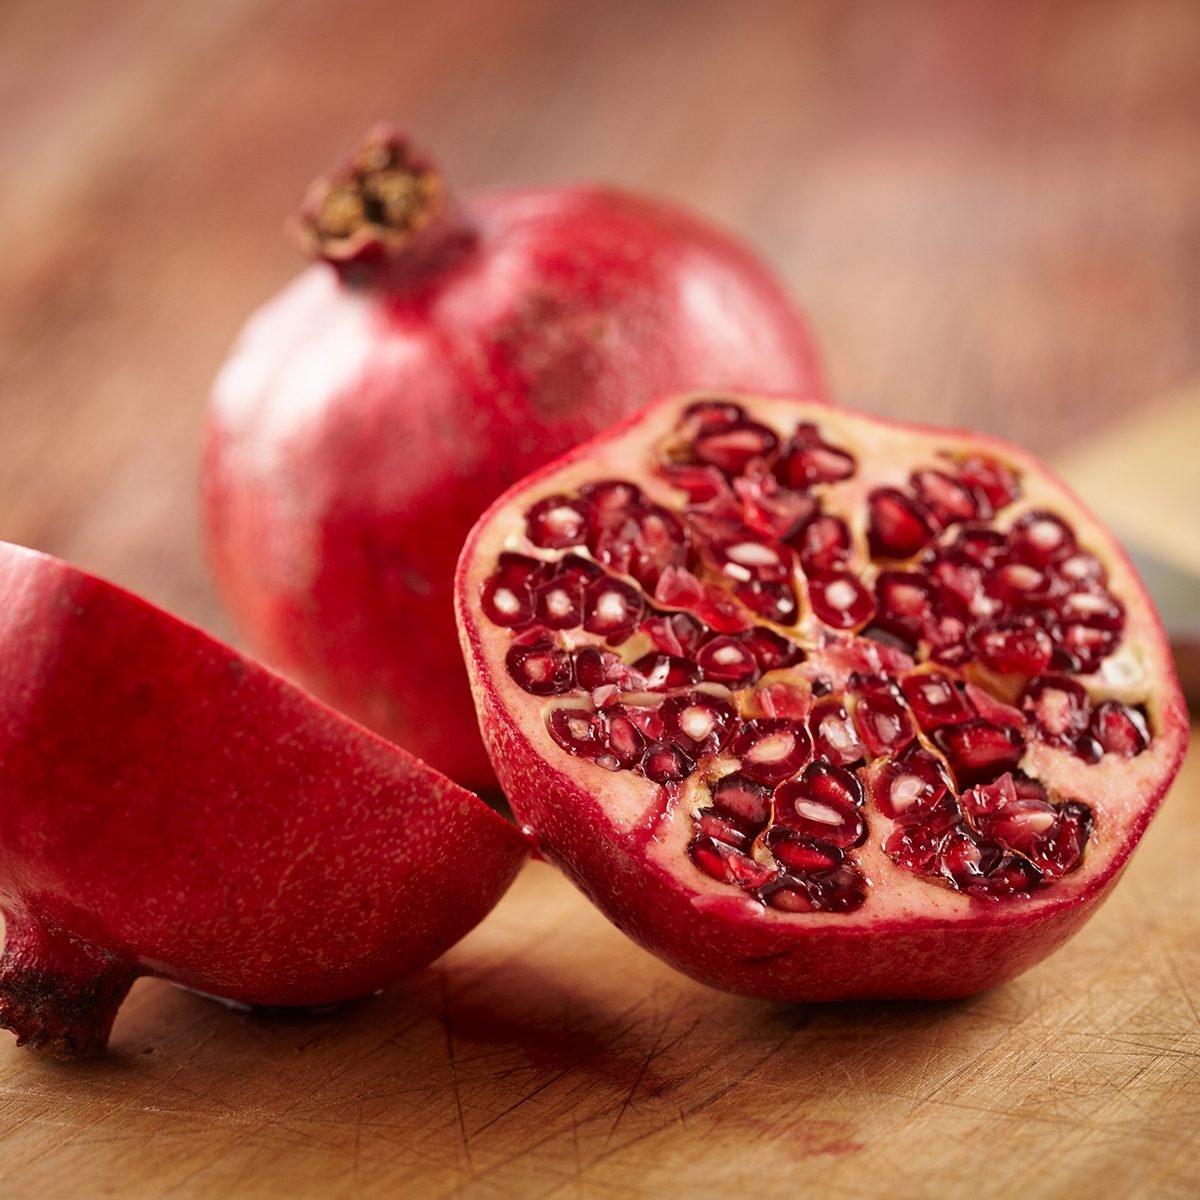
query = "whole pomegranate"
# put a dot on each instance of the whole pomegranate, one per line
(173, 809)
(816, 705)
(433, 355)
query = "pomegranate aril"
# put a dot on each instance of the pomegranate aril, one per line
(679, 634)
(747, 557)
(883, 720)
(577, 730)
(823, 544)
(978, 750)
(539, 666)
(997, 483)
(840, 600)
(772, 749)
(727, 660)
(611, 499)
(1041, 538)
(598, 668)
(823, 803)
(1019, 584)
(947, 501)
(808, 460)
(1059, 708)
(728, 865)
(710, 416)
(1013, 647)
(622, 739)
(841, 890)
(772, 601)
(1081, 569)
(896, 528)
(935, 699)
(982, 868)
(904, 604)
(908, 789)
(1094, 608)
(665, 672)
(1062, 849)
(835, 737)
(647, 719)
(801, 855)
(721, 828)
(666, 764)
(979, 546)
(509, 604)
(790, 700)
(699, 723)
(612, 609)
(557, 522)
(742, 800)
(559, 604)
(704, 485)
(1084, 648)
(1119, 729)
(771, 510)
(771, 650)
(916, 844)
(731, 450)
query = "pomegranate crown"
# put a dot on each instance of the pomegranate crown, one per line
(373, 207)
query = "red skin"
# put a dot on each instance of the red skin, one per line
(896, 946)
(174, 809)
(337, 493)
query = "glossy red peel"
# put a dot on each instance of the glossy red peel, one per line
(957, 719)
(174, 809)
(433, 355)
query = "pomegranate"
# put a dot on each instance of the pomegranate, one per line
(174, 809)
(846, 708)
(433, 355)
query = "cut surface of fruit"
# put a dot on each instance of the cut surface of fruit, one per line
(434, 353)
(898, 746)
(174, 809)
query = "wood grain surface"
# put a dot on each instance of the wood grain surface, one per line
(992, 214)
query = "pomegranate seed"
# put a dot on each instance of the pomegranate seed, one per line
(772, 749)
(999, 813)
(991, 478)
(1096, 609)
(1012, 647)
(728, 865)
(720, 828)
(896, 529)
(622, 739)
(908, 789)
(508, 604)
(947, 501)
(611, 499)
(904, 604)
(979, 750)
(1059, 707)
(749, 558)
(840, 600)
(664, 672)
(824, 804)
(729, 661)
(841, 890)
(771, 510)
(731, 449)
(679, 634)
(1081, 569)
(648, 720)
(981, 867)
(1120, 729)
(612, 609)
(964, 581)
(743, 800)
(772, 601)
(802, 855)
(703, 485)
(577, 731)
(559, 605)
(1086, 648)
(661, 542)
(711, 416)
(698, 723)
(666, 764)
(771, 650)
(935, 700)
(807, 460)
(918, 844)
(790, 700)
(1019, 583)
(1061, 850)
(539, 666)
(823, 544)
(884, 722)
(979, 546)
(597, 668)
(557, 522)
(1041, 538)
(834, 733)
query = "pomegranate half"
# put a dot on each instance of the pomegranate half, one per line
(816, 705)
(174, 809)
(433, 355)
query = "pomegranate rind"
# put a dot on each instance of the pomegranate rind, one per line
(175, 809)
(624, 841)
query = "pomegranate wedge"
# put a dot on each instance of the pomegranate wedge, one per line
(846, 708)
(174, 809)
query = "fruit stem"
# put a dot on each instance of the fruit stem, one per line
(387, 209)
(59, 993)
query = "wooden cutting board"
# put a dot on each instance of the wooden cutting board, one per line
(548, 1056)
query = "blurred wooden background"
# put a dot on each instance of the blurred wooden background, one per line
(991, 211)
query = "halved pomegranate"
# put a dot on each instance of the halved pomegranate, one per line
(902, 748)
(174, 809)
(434, 353)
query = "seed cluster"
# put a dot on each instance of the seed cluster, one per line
(807, 686)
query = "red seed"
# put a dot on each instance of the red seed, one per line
(666, 764)
(665, 672)
(908, 789)
(771, 749)
(1093, 607)
(771, 650)
(834, 734)
(990, 477)
(840, 600)
(772, 601)
(728, 865)
(539, 666)
(679, 634)
(731, 450)
(1059, 708)
(698, 723)
(1085, 648)
(946, 500)
(557, 522)
(507, 603)
(823, 544)
(904, 604)
(710, 416)
(935, 699)
(883, 720)
(742, 799)
(1119, 729)
(577, 730)
(808, 460)
(896, 529)
(1041, 538)
(771, 510)
(824, 804)
(622, 739)
(978, 750)
(744, 557)
(612, 609)
(1013, 647)
(729, 661)
(801, 855)
(721, 828)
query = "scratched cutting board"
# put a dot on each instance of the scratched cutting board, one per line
(548, 1056)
